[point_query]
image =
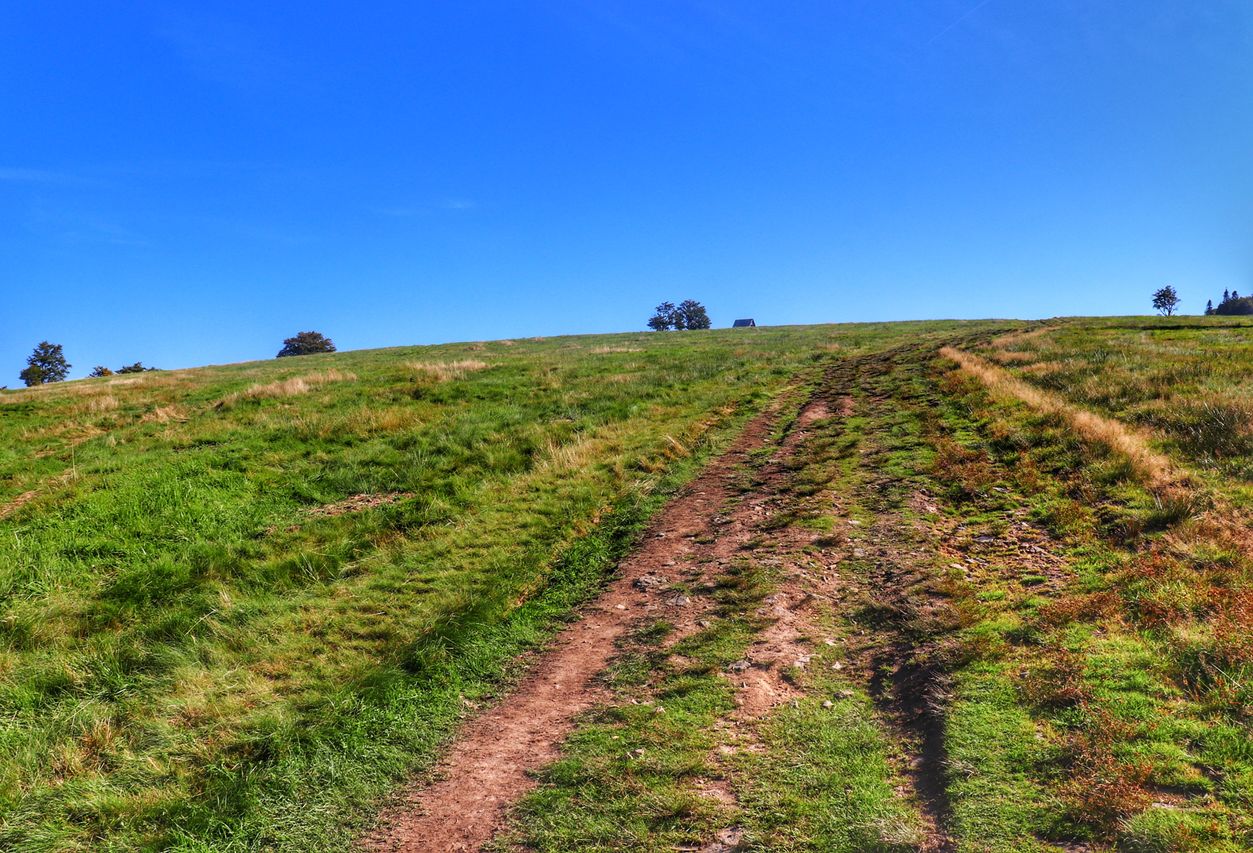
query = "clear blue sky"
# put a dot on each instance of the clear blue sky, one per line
(191, 183)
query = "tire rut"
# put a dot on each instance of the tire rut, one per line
(464, 802)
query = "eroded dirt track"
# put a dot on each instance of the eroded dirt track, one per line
(487, 768)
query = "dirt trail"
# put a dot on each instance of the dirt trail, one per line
(487, 768)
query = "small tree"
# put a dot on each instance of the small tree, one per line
(692, 315)
(100, 370)
(1209, 306)
(1166, 301)
(46, 364)
(306, 343)
(664, 318)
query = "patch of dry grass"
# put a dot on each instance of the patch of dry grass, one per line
(290, 387)
(1016, 338)
(164, 415)
(606, 350)
(1158, 472)
(557, 457)
(98, 405)
(1005, 356)
(443, 371)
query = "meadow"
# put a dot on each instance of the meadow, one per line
(238, 603)
(1034, 623)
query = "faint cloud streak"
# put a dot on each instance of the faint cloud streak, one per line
(957, 21)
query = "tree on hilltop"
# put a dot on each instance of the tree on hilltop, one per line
(306, 343)
(688, 314)
(1166, 300)
(664, 318)
(46, 364)
(100, 370)
(692, 315)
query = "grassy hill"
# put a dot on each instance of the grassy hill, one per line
(238, 604)
(207, 637)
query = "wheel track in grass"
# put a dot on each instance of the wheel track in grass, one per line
(814, 575)
(910, 695)
(463, 803)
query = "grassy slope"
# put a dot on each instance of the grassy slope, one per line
(189, 656)
(1089, 638)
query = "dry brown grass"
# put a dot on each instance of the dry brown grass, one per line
(164, 415)
(443, 371)
(1015, 338)
(17, 503)
(289, 387)
(570, 456)
(605, 350)
(97, 405)
(1005, 356)
(1156, 470)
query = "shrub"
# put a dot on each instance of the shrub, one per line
(137, 367)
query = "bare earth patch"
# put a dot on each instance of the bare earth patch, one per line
(358, 503)
(17, 503)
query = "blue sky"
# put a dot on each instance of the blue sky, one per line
(189, 184)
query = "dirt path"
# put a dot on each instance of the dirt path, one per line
(487, 769)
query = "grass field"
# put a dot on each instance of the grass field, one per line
(239, 604)
(1037, 644)
(208, 639)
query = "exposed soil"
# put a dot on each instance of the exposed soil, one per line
(358, 503)
(487, 768)
(17, 503)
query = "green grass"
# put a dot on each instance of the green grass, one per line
(825, 781)
(191, 655)
(1082, 695)
(196, 655)
(1183, 379)
(1104, 656)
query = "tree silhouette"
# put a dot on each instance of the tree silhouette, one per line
(664, 318)
(306, 343)
(692, 315)
(689, 314)
(1166, 300)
